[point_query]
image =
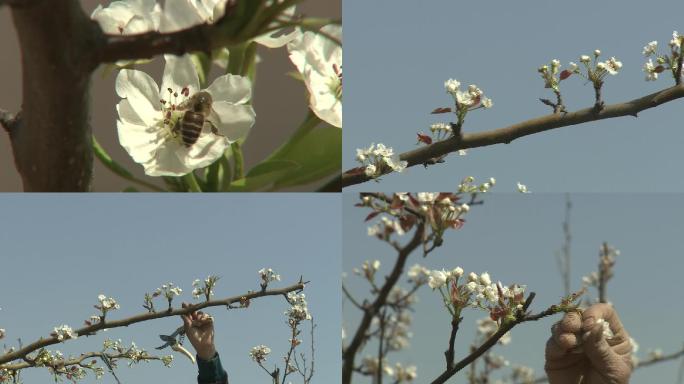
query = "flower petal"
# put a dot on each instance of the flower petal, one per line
(142, 93)
(177, 15)
(204, 152)
(179, 72)
(165, 161)
(232, 121)
(231, 88)
(139, 141)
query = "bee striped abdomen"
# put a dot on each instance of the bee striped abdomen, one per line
(191, 127)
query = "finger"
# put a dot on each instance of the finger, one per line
(601, 311)
(564, 331)
(187, 322)
(597, 349)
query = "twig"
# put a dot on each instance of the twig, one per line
(371, 310)
(76, 361)
(449, 354)
(602, 275)
(92, 329)
(505, 327)
(525, 128)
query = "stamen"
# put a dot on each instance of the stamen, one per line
(185, 91)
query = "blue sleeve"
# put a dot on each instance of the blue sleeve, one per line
(211, 371)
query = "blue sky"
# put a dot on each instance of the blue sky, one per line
(515, 238)
(60, 252)
(399, 53)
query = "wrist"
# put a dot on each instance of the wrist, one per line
(206, 354)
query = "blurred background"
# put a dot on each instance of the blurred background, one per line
(279, 101)
(399, 53)
(61, 251)
(517, 238)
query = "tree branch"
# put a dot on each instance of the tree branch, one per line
(505, 327)
(92, 329)
(78, 360)
(508, 134)
(370, 311)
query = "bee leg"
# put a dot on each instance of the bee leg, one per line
(214, 130)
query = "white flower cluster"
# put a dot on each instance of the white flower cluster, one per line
(259, 353)
(399, 373)
(106, 304)
(64, 332)
(169, 291)
(386, 226)
(298, 310)
(468, 99)
(204, 288)
(662, 61)
(368, 269)
(267, 275)
(611, 66)
(552, 76)
(479, 291)
(376, 157)
(418, 274)
(467, 185)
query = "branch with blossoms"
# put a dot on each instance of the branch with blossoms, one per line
(36, 354)
(386, 316)
(187, 132)
(445, 138)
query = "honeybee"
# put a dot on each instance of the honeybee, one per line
(197, 109)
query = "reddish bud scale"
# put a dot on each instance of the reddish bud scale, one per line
(565, 74)
(422, 138)
(441, 110)
(407, 221)
(659, 69)
(371, 215)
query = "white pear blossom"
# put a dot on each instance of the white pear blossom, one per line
(181, 14)
(106, 303)
(650, 70)
(259, 353)
(148, 116)
(375, 157)
(676, 41)
(2, 333)
(127, 17)
(611, 66)
(650, 48)
(418, 274)
(522, 188)
(268, 275)
(64, 332)
(437, 278)
(319, 60)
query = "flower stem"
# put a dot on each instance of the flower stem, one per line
(239, 165)
(227, 177)
(191, 181)
(117, 168)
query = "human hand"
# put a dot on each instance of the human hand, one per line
(578, 351)
(199, 329)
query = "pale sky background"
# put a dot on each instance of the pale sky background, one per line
(515, 238)
(399, 53)
(60, 252)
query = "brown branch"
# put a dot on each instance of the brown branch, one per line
(371, 310)
(529, 127)
(92, 329)
(505, 327)
(77, 360)
(603, 275)
(449, 353)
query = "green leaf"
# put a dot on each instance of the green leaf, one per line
(318, 153)
(263, 176)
